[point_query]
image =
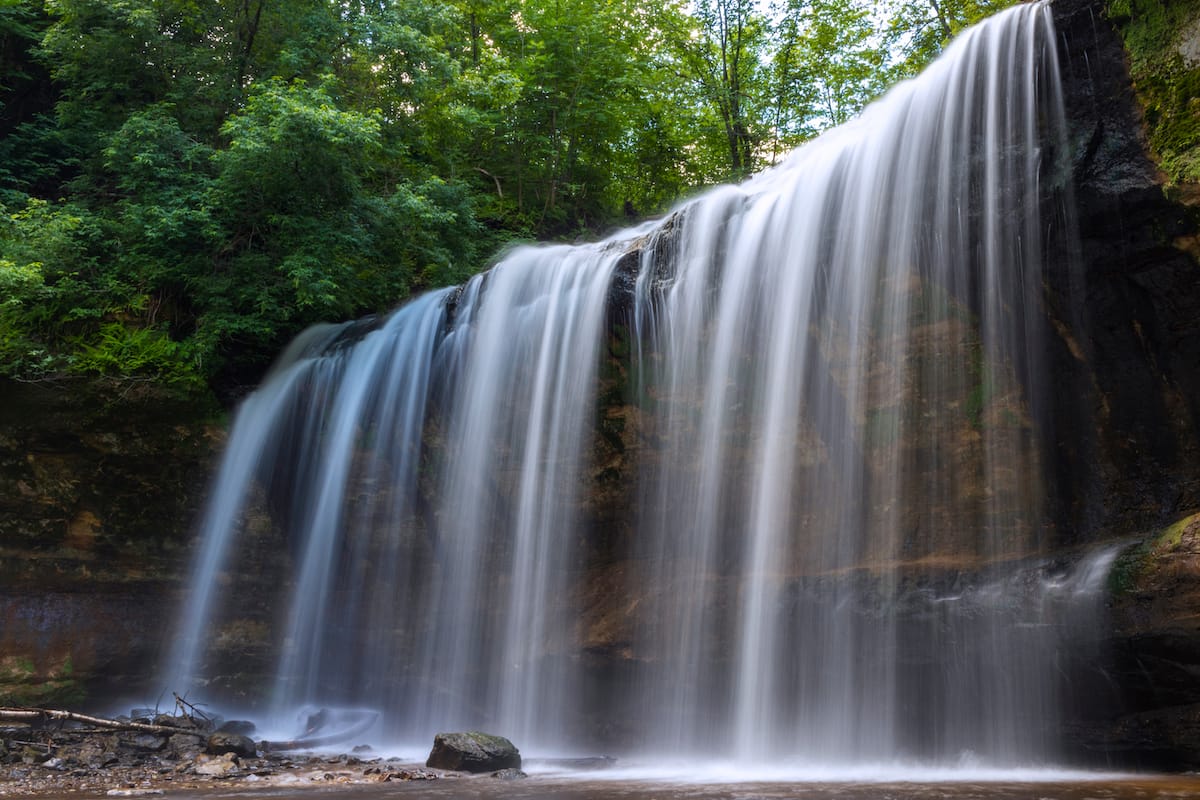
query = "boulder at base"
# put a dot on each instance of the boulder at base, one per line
(223, 742)
(473, 752)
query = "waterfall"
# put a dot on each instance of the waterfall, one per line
(765, 479)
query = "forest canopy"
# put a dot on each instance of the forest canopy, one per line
(185, 184)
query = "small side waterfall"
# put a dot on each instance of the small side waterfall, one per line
(811, 409)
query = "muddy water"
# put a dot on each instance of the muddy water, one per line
(559, 788)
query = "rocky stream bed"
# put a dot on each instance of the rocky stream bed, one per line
(152, 753)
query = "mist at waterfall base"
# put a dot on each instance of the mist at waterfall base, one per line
(761, 484)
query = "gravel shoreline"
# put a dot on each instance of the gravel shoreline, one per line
(153, 776)
(66, 758)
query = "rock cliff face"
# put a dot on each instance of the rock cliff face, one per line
(1133, 353)
(1156, 650)
(100, 490)
(99, 487)
(1130, 349)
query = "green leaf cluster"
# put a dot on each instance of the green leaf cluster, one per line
(185, 184)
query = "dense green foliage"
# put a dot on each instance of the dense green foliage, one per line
(184, 184)
(1163, 40)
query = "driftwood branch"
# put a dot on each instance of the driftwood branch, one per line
(44, 714)
(190, 709)
(499, 191)
(315, 739)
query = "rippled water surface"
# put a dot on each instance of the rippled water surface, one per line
(560, 788)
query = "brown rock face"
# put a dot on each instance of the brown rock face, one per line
(1156, 629)
(98, 492)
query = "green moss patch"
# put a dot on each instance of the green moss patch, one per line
(21, 684)
(1163, 42)
(1171, 536)
(1132, 565)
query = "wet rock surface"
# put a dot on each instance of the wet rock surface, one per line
(1126, 308)
(98, 490)
(222, 742)
(1156, 651)
(473, 751)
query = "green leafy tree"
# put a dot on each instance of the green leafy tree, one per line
(302, 239)
(162, 220)
(723, 51)
(919, 30)
(829, 64)
(580, 87)
(185, 184)
(33, 157)
(295, 226)
(54, 289)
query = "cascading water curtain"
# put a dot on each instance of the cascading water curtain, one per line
(837, 411)
(842, 359)
(424, 476)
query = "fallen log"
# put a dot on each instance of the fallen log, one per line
(35, 715)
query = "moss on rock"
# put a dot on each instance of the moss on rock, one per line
(1163, 42)
(1134, 566)
(22, 683)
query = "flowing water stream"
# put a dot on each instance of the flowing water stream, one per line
(764, 480)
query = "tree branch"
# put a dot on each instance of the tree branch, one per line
(33, 715)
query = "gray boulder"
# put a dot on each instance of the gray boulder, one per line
(222, 766)
(244, 727)
(226, 742)
(473, 752)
